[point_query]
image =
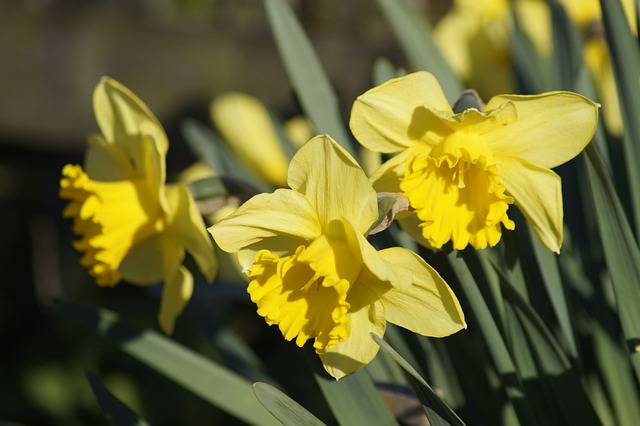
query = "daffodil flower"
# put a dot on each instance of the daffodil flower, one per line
(462, 171)
(246, 125)
(315, 275)
(132, 226)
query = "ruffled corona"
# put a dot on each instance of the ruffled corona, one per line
(111, 217)
(458, 198)
(303, 303)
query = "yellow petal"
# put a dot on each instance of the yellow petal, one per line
(141, 265)
(176, 293)
(366, 316)
(551, 128)
(428, 306)
(187, 223)
(387, 177)
(123, 118)
(285, 213)
(246, 125)
(107, 162)
(387, 118)
(538, 194)
(334, 184)
(380, 270)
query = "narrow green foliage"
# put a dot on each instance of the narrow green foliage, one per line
(317, 97)
(283, 408)
(625, 58)
(438, 411)
(494, 341)
(354, 400)
(620, 249)
(115, 411)
(203, 377)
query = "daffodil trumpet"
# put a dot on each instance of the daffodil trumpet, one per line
(133, 227)
(314, 274)
(461, 171)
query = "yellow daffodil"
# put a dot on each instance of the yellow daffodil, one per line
(246, 125)
(475, 36)
(132, 226)
(315, 275)
(587, 15)
(461, 171)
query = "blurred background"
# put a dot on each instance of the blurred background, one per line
(176, 55)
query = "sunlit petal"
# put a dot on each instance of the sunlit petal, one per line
(388, 117)
(336, 186)
(551, 129)
(428, 306)
(538, 194)
(283, 213)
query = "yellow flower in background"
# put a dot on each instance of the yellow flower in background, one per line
(132, 226)
(587, 15)
(475, 36)
(246, 125)
(315, 275)
(461, 171)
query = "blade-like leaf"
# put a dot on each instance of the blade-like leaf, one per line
(493, 339)
(115, 411)
(414, 35)
(569, 394)
(625, 58)
(620, 250)
(438, 411)
(317, 97)
(354, 400)
(283, 408)
(212, 382)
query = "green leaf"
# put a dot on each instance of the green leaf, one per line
(283, 408)
(438, 411)
(115, 411)
(354, 400)
(494, 340)
(552, 281)
(203, 377)
(620, 250)
(414, 35)
(568, 394)
(625, 58)
(617, 377)
(317, 97)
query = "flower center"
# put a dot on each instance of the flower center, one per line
(111, 218)
(457, 194)
(305, 293)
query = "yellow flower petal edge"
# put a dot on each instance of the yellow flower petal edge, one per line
(131, 225)
(247, 127)
(314, 274)
(462, 171)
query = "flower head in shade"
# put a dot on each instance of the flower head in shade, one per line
(132, 226)
(247, 127)
(315, 275)
(462, 171)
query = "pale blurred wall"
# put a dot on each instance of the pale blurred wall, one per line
(172, 53)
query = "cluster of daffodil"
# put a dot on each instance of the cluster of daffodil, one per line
(304, 248)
